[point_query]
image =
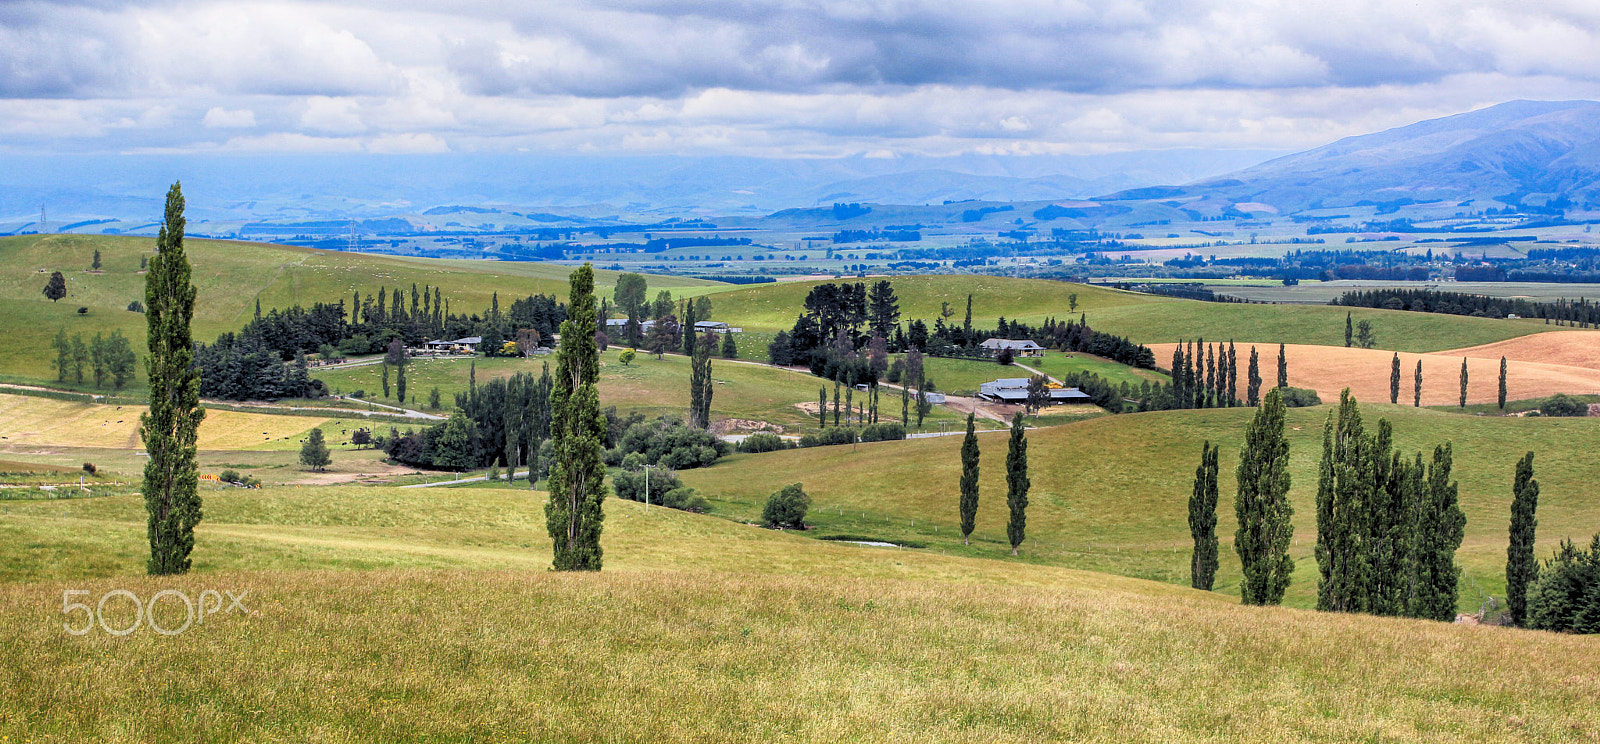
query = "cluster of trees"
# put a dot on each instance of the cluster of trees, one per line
(241, 368)
(1387, 526)
(667, 333)
(660, 486)
(883, 432)
(1581, 312)
(865, 236)
(107, 359)
(1070, 336)
(1207, 376)
(502, 423)
(665, 442)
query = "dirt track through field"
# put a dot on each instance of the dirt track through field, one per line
(1329, 369)
(1570, 348)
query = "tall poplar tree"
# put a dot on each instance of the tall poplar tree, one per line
(1416, 387)
(574, 513)
(1203, 520)
(1349, 330)
(1283, 368)
(1521, 567)
(700, 380)
(1252, 393)
(1394, 380)
(1233, 375)
(1439, 532)
(170, 427)
(1463, 382)
(1346, 493)
(1262, 506)
(969, 481)
(1502, 383)
(1017, 484)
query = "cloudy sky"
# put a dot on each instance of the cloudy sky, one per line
(782, 78)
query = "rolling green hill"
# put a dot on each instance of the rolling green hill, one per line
(375, 615)
(1144, 318)
(1111, 494)
(229, 277)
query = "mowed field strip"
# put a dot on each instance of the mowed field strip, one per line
(1329, 369)
(43, 421)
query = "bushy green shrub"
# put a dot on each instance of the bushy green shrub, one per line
(668, 443)
(1562, 405)
(825, 437)
(1566, 596)
(1294, 397)
(883, 432)
(787, 508)
(763, 442)
(229, 476)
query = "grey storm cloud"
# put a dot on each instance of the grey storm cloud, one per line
(798, 76)
(665, 49)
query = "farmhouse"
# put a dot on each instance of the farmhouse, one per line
(467, 345)
(1025, 347)
(621, 324)
(1015, 390)
(715, 326)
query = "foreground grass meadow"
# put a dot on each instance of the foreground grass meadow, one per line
(702, 629)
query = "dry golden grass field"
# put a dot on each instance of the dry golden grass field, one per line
(1568, 348)
(67, 423)
(1329, 369)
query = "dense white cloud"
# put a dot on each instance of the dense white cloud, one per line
(780, 77)
(221, 118)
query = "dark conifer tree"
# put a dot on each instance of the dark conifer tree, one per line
(1253, 391)
(1283, 368)
(1521, 567)
(170, 427)
(1262, 506)
(1349, 330)
(1203, 520)
(1346, 491)
(969, 481)
(1233, 375)
(1394, 380)
(1438, 533)
(574, 513)
(1178, 369)
(1416, 387)
(1017, 484)
(1211, 377)
(1502, 383)
(730, 348)
(1463, 382)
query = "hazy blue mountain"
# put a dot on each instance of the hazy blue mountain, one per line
(1528, 152)
(223, 188)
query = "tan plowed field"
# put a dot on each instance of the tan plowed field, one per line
(1329, 369)
(1570, 348)
(67, 423)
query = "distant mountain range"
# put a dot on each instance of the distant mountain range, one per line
(255, 188)
(1532, 154)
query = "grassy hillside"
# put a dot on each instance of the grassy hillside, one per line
(1110, 494)
(1145, 318)
(808, 641)
(230, 276)
(653, 386)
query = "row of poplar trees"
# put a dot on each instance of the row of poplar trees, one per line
(1388, 526)
(1017, 483)
(171, 425)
